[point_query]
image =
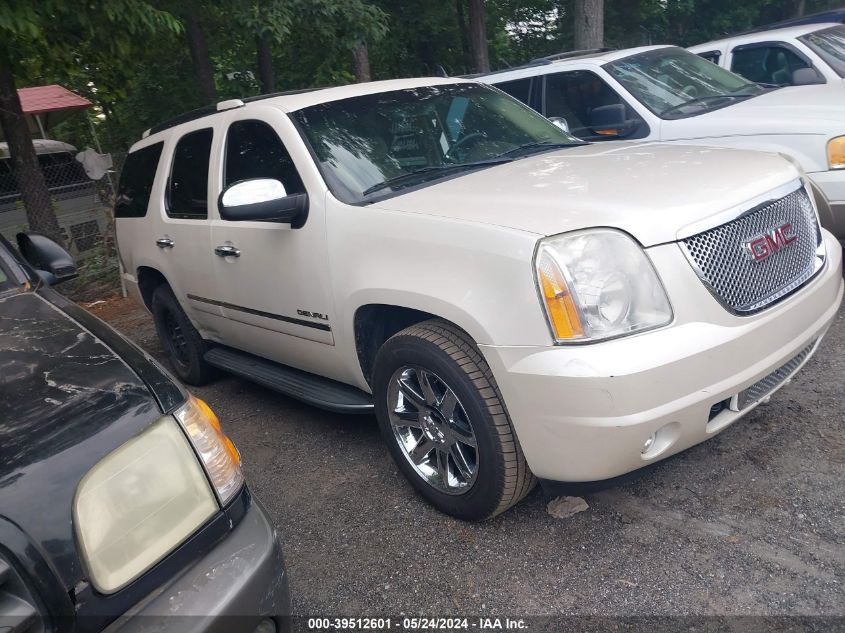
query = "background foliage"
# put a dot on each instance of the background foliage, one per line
(143, 72)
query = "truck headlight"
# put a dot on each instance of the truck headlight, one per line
(218, 454)
(598, 284)
(149, 495)
(836, 153)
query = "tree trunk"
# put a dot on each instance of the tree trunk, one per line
(361, 63)
(199, 52)
(589, 24)
(40, 214)
(478, 36)
(800, 8)
(462, 28)
(266, 76)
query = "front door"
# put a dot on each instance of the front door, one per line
(274, 291)
(576, 95)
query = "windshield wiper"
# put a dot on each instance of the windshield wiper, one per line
(703, 100)
(514, 151)
(421, 171)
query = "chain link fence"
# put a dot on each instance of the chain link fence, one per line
(83, 208)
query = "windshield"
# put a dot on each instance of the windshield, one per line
(674, 83)
(829, 44)
(374, 145)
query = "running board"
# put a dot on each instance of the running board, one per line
(315, 390)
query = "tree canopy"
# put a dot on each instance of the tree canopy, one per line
(136, 61)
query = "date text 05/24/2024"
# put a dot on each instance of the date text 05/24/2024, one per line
(416, 624)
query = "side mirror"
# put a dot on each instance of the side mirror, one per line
(560, 122)
(262, 199)
(806, 77)
(610, 120)
(52, 262)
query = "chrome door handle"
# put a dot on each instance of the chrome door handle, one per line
(227, 250)
(164, 242)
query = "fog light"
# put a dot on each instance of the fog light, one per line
(266, 626)
(660, 441)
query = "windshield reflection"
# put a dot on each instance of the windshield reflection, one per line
(829, 44)
(375, 145)
(674, 83)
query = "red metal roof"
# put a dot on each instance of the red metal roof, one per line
(53, 98)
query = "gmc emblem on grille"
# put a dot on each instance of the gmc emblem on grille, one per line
(764, 246)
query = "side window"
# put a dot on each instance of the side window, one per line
(574, 95)
(254, 150)
(518, 89)
(711, 56)
(136, 182)
(771, 64)
(187, 193)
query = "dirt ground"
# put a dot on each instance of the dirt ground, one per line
(750, 522)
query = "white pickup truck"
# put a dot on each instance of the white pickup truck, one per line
(667, 94)
(512, 303)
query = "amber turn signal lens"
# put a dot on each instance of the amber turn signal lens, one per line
(560, 306)
(836, 153)
(216, 451)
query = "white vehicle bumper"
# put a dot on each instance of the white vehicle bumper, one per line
(832, 184)
(584, 413)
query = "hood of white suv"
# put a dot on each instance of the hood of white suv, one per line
(791, 110)
(648, 190)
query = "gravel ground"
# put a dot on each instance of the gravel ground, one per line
(750, 522)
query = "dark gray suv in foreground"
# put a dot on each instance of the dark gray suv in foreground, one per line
(120, 495)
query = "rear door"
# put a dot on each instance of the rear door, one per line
(182, 237)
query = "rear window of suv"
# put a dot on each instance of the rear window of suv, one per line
(136, 182)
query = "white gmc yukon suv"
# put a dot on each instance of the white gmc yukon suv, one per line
(512, 303)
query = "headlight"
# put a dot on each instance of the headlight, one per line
(145, 498)
(836, 153)
(598, 284)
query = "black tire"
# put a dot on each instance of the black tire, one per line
(502, 478)
(181, 342)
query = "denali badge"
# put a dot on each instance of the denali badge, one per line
(764, 246)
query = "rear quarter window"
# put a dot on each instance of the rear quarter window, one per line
(136, 182)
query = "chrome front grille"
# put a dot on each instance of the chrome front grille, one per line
(753, 261)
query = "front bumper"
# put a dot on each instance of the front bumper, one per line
(584, 412)
(831, 184)
(236, 586)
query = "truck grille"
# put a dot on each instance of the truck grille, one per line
(762, 388)
(17, 613)
(726, 263)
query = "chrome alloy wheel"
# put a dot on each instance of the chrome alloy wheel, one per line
(432, 429)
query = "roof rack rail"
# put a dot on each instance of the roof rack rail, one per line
(285, 93)
(183, 118)
(205, 111)
(542, 61)
(570, 54)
